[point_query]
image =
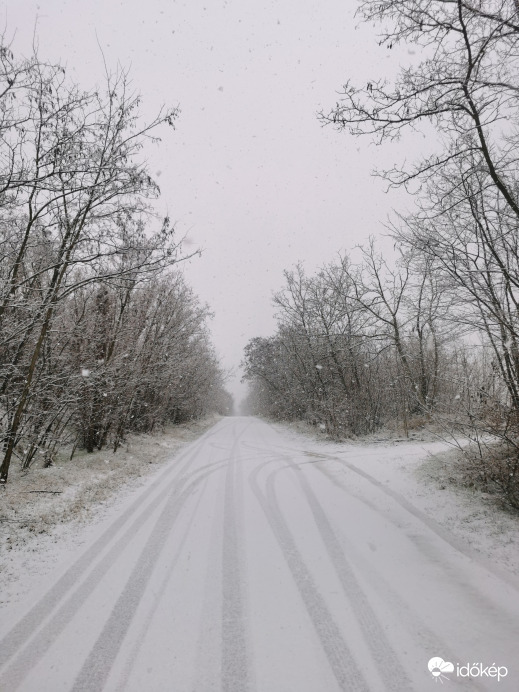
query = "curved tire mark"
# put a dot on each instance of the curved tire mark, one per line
(340, 658)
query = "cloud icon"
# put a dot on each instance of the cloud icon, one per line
(437, 666)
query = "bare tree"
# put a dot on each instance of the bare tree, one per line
(466, 218)
(466, 87)
(72, 211)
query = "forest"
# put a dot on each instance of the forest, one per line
(100, 335)
(430, 335)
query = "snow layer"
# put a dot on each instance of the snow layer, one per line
(261, 559)
(47, 513)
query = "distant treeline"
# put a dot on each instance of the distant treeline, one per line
(362, 346)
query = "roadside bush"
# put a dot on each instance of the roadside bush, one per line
(492, 468)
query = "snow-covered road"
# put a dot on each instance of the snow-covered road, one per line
(252, 563)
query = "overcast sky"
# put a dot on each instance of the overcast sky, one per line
(249, 171)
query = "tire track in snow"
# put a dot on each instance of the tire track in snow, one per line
(25, 628)
(408, 619)
(27, 654)
(207, 666)
(98, 664)
(236, 675)
(144, 625)
(340, 658)
(426, 548)
(380, 649)
(387, 662)
(430, 523)
(413, 623)
(391, 671)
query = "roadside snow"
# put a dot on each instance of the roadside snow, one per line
(39, 530)
(263, 558)
(45, 514)
(422, 472)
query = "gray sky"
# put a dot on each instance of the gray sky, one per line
(249, 171)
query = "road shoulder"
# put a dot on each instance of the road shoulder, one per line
(47, 514)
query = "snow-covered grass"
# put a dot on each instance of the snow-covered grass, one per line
(480, 518)
(44, 510)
